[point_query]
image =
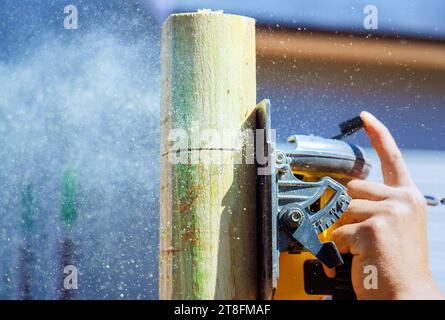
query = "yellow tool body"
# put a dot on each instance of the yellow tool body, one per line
(290, 284)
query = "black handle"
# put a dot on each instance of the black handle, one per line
(349, 127)
(329, 255)
(342, 288)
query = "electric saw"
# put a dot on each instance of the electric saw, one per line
(301, 194)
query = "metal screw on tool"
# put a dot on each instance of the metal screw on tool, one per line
(280, 158)
(295, 218)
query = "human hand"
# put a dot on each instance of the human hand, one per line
(385, 227)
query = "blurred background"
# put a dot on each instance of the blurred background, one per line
(79, 122)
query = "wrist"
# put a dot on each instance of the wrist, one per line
(422, 289)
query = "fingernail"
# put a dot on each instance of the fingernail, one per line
(366, 116)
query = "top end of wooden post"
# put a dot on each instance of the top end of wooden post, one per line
(204, 13)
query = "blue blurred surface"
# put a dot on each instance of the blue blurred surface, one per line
(86, 100)
(414, 18)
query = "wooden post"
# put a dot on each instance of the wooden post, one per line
(208, 236)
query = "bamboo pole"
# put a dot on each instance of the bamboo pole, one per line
(208, 236)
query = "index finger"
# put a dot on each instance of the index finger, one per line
(394, 169)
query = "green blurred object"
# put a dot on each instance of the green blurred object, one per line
(69, 215)
(29, 211)
(70, 205)
(29, 214)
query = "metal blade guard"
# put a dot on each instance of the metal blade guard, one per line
(299, 215)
